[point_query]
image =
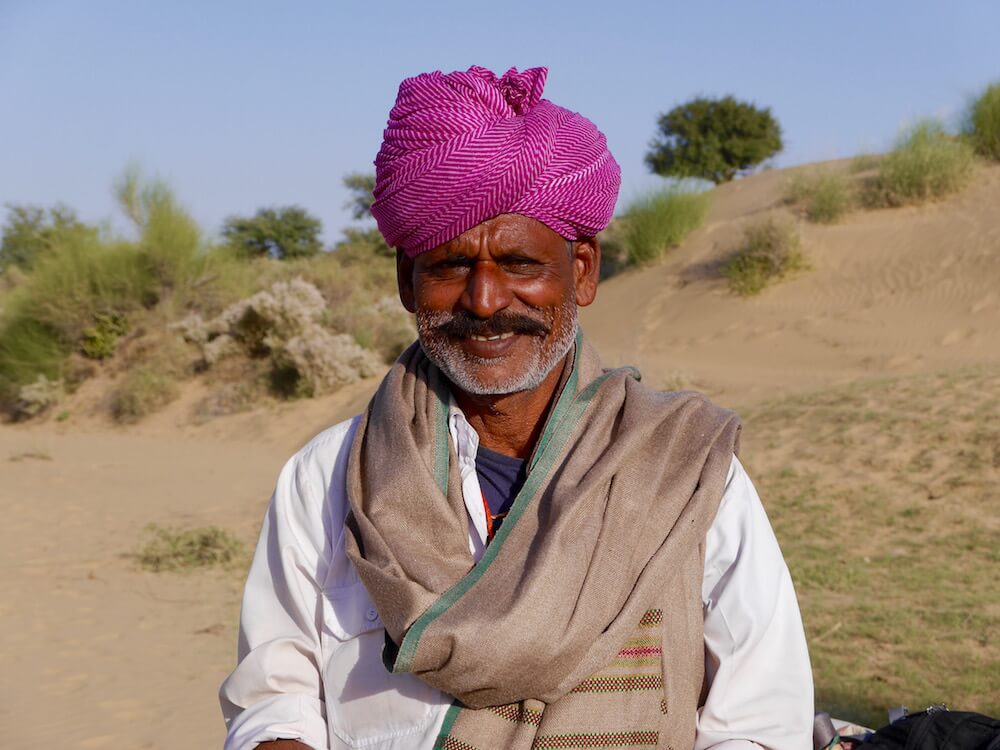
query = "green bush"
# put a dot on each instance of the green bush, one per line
(713, 139)
(825, 197)
(660, 220)
(173, 549)
(769, 252)
(101, 340)
(926, 163)
(143, 390)
(983, 123)
(31, 232)
(85, 289)
(28, 349)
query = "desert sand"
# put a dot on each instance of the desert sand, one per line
(97, 653)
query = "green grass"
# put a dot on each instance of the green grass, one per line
(983, 123)
(655, 222)
(926, 164)
(882, 495)
(769, 252)
(177, 550)
(824, 197)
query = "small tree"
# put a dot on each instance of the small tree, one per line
(31, 232)
(714, 139)
(289, 232)
(361, 187)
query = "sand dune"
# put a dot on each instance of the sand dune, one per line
(98, 653)
(890, 292)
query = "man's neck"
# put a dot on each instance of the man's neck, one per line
(512, 423)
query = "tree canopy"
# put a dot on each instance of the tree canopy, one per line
(31, 232)
(288, 232)
(713, 139)
(361, 186)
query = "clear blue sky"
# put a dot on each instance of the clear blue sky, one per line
(246, 104)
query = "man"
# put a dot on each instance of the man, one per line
(513, 548)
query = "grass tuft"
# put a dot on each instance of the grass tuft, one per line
(825, 197)
(174, 549)
(770, 251)
(661, 220)
(926, 164)
(983, 123)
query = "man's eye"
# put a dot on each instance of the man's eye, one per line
(520, 262)
(450, 266)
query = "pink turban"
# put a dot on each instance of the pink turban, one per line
(461, 148)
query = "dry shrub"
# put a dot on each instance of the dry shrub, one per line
(142, 391)
(284, 325)
(172, 549)
(770, 251)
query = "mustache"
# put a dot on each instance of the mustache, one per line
(462, 324)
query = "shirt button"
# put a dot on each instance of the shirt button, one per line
(372, 614)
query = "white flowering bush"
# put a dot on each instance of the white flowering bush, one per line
(37, 397)
(285, 325)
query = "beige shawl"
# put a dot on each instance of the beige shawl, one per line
(582, 624)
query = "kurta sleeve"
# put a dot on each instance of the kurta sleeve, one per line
(760, 689)
(276, 690)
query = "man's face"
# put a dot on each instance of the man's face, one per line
(496, 307)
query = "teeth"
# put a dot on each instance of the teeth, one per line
(499, 337)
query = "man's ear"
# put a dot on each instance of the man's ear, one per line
(404, 280)
(586, 269)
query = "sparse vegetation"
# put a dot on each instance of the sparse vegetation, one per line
(142, 391)
(825, 197)
(87, 297)
(661, 220)
(882, 495)
(864, 163)
(927, 163)
(176, 550)
(983, 123)
(769, 252)
(713, 139)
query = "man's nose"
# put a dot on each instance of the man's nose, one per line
(486, 290)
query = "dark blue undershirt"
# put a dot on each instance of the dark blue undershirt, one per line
(501, 478)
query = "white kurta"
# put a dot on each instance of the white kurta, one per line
(311, 639)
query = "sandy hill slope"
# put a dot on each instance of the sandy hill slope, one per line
(890, 292)
(99, 653)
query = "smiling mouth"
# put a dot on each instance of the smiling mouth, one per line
(498, 337)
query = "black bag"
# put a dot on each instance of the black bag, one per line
(937, 729)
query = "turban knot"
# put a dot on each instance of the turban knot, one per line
(463, 147)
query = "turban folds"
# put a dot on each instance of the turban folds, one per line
(463, 147)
